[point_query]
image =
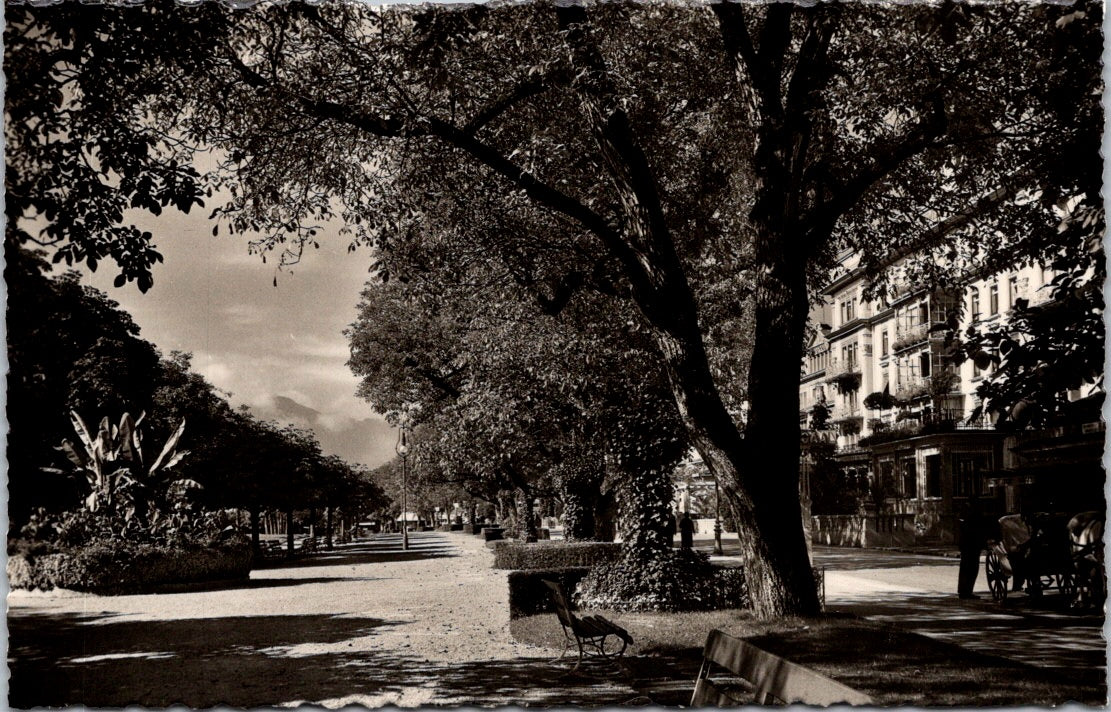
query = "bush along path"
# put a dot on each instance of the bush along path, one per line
(367, 624)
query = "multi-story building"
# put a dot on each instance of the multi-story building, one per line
(880, 373)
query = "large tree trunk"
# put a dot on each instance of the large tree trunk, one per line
(644, 498)
(255, 539)
(580, 488)
(763, 495)
(289, 532)
(526, 515)
(328, 529)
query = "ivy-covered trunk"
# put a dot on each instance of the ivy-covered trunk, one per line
(526, 517)
(644, 502)
(580, 491)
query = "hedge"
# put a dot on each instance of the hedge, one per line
(554, 554)
(117, 568)
(528, 595)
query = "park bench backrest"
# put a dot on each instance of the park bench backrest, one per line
(562, 605)
(773, 679)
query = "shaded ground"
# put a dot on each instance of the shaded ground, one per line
(248, 662)
(1043, 632)
(368, 625)
(371, 625)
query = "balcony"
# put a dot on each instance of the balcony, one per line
(845, 377)
(912, 389)
(906, 337)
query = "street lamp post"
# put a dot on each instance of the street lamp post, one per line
(403, 452)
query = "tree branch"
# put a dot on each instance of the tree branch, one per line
(521, 92)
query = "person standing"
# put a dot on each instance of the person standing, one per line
(686, 531)
(971, 543)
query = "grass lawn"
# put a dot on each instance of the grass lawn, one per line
(893, 666)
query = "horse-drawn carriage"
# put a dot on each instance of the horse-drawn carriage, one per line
(1043, 550)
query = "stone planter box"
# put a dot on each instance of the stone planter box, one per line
(493, 533)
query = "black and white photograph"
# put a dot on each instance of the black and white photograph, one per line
(563, 353)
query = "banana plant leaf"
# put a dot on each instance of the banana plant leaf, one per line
(82, 430)
(168, 458)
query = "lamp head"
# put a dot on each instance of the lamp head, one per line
(402, 446)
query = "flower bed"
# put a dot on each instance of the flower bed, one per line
(119, 568)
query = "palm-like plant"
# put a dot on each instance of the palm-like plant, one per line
(114, 465)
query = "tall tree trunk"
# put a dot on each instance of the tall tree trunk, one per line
(256, 545)
(289, 532)
(526, 515)
(644, 498)
(580, 487)
(328, 529)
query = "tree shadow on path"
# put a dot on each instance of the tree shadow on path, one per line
(1070, 644)
(261, 661)
(384, 549)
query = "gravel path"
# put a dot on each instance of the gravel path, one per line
(367, 624)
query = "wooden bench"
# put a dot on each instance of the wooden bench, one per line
(589, 633)
(771, 678)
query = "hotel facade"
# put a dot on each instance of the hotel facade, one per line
(880, 383)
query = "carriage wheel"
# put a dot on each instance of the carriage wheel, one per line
(997, 577)
(1067, 583)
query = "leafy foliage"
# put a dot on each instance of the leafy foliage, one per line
(115, 567)
(554, 555)
(682, 581)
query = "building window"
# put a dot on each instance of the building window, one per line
(924, 364)
(993, 299)
(848, 310)
(883, 343)
(968, 469)
(886, 484)
(974, 305)
(910, 478)
(1012, 290)
(933, 475)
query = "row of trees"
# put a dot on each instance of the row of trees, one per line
(71, 349)
(625, 156)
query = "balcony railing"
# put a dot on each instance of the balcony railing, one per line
(912, 388)
(838, 368)
(907, 336)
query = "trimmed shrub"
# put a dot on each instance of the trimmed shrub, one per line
(528, 595)
(674, 581)
(117, 567)
(554, 554)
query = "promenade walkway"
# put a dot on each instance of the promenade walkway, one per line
(366, 625)
(916, 591)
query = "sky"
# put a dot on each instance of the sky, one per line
(278, 349)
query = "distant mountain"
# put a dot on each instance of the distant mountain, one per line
(369, 441)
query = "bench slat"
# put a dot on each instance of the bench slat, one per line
(775, 677)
